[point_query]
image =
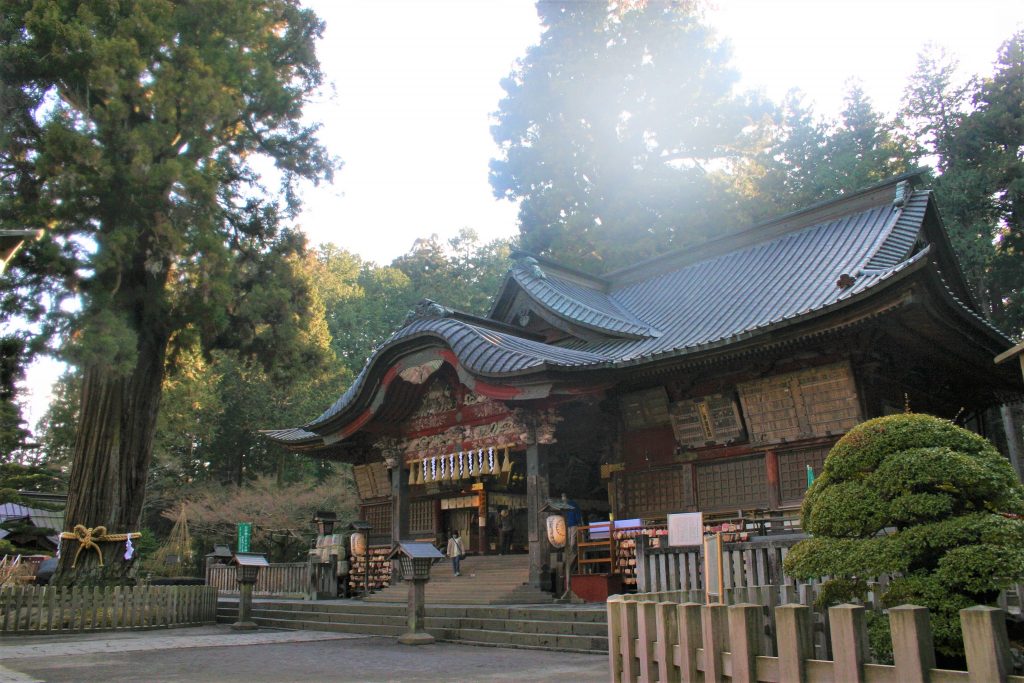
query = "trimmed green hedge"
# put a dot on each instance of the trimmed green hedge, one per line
(917, 497)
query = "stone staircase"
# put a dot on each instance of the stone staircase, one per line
(484, 580)
(568, 628)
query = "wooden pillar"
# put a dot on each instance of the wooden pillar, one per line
(771, 463)
(537, 492)
(399, 501)
(481, 520)
(1013, 442)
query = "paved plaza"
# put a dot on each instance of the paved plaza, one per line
(216, 653)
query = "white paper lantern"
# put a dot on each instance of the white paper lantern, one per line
(557, 532)
(357, 542)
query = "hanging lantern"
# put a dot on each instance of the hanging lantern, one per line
(357, 543)
(506, 466)
(557, 533)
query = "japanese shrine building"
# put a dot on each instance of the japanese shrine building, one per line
(706, 379)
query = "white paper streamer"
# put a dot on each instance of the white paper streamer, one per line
(424, 469)
(442, 466)
(480, 461)
(451, 466)
(462, 466)
(129, 549)
(433, 468)
(490, 459)
(469, 457)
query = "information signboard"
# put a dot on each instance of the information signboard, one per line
(244, 536)
(686, 528)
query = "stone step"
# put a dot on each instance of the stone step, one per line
(552, 628)
(548, 641)
(455, 623)
(596, 614)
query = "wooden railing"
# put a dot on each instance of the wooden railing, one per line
(650, 640)
(46, 609)
(744, 564)
(311, 580)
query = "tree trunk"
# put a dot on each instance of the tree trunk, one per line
(114, 444)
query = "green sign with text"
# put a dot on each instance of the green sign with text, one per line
(244, 536)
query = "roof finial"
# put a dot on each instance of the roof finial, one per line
(531, 265)
(901, 193)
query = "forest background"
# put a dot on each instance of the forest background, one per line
(622, 134)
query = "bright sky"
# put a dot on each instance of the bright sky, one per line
(414, 83)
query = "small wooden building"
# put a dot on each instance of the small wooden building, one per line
(706, 379)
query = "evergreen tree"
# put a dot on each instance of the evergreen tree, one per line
(993, 147)
(806, 159)
(612, 129)
(973, 132)
(130, 135)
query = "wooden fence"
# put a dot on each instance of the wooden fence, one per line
(33, 610)
(744, 564)
(311, 580)
(649, 640)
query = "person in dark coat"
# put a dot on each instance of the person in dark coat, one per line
(504, 532)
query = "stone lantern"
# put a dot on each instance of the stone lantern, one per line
(415, 560)
(325, 521)
(248, 567)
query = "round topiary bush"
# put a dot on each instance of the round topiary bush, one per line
(916, 497)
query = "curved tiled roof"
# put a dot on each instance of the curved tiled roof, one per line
(582, 305)
(750, 289)
(743, 291)
(480, 350)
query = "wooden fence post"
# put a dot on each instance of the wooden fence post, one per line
(715, 636)
(913, 650)
(849, 642)
(647, 634)
(668, 636)
(985, 644)
(688, 622)
(745, 628)
(794, 638)
(616, 608)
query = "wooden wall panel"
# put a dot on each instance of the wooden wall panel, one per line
(818, 401)
(732, 484)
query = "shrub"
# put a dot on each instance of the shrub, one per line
(917, 497)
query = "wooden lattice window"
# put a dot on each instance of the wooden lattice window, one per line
(793, 471)
(652, 493)
(645, 409)
(814, 402)
(707, 420)
(421, 517)
(379, 517)
(736, 483)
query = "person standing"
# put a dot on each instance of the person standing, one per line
(504, 532)
(455, 551)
